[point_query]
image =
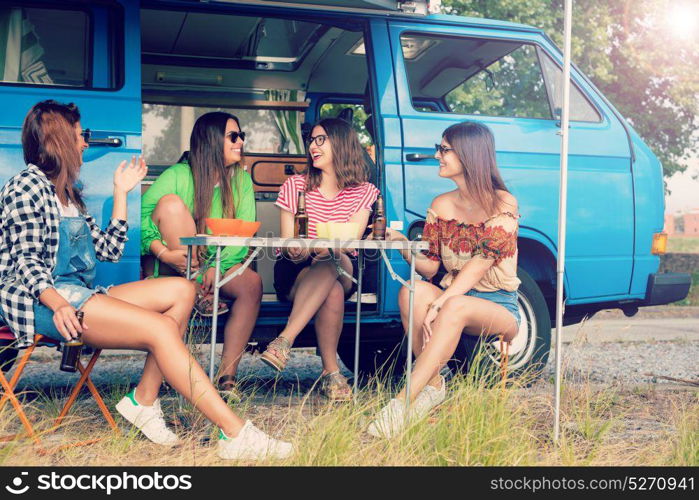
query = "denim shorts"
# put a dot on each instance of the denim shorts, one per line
(506, 299)
(76, 296)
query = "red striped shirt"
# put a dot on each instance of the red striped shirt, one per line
(348, 202)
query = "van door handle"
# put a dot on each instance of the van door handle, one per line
(113, 142)
(418, 157)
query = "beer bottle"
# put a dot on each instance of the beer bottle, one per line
(72, 349)
(301, 218)
(379, 223)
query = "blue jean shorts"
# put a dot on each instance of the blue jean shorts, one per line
(506, 299)
(76, 296)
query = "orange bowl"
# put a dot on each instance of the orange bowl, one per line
(248, 228)
(224, 227)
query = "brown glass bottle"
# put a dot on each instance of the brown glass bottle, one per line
(301, 218)
(379, 223)
(72, 349)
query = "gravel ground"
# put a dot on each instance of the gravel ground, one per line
(630, 363)
(626, 363)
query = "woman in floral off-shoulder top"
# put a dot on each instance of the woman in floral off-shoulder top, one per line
(473, 232)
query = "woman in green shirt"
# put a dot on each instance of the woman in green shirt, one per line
(211, 184)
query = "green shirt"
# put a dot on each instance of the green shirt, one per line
(178, 180)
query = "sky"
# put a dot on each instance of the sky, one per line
(684, 191)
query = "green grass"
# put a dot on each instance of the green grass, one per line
(686, 441)
(682, 245)
(482, 422)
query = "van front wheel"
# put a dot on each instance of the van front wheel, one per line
(529, 351)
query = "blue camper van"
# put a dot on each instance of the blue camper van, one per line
(141, 72)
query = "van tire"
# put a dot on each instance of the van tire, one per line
(529, 351)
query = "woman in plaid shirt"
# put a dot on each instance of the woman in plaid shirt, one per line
(48, 247)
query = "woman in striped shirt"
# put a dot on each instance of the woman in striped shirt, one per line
(336, 190)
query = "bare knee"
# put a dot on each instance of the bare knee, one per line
(253, 285)
(165, 332)
(170, 205)
(455, 309)
(403, 297)
(326, 265)
(335, 301)
(184, 291)
(420, 300)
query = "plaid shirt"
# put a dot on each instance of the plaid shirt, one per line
(29, 243)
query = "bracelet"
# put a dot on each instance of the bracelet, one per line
(160, 253)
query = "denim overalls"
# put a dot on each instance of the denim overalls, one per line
(73, 274)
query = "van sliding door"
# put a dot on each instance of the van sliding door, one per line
(448, 74)
(88, 54)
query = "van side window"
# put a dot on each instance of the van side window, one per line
(44, 46)
(476, 76)
(580, 108)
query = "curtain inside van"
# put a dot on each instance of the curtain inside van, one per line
(20, 51)
(288, 121)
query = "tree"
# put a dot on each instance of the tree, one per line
(628, 50)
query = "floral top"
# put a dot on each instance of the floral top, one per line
(455, 243)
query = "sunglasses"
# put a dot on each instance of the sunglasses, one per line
(438, 148)
(233, 136)
(86, 134)
(319, 140)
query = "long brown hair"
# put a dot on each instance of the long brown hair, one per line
(348, 156)
(474, 145)
(49, 142)
(207, 163)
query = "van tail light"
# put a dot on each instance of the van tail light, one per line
(659, 244)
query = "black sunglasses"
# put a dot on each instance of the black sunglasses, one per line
(438, 148)
(233, 136)
(86, 134)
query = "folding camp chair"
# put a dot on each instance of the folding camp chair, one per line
(8, 394)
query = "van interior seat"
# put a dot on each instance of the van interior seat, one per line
(346, 114)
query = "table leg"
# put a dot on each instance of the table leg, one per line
(358, 319)
(409, 360)
(189, 277)
(187, 332)
(189, 262)
(214, 318)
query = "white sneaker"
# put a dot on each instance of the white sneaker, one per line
(428, 398)
(148, 419)
(252, 444)
(389, 421)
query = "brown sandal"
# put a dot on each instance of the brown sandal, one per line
(277, 353)
(204, 305)
(334, 386)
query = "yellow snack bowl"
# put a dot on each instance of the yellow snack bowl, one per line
(322, 230)
(343, 230)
